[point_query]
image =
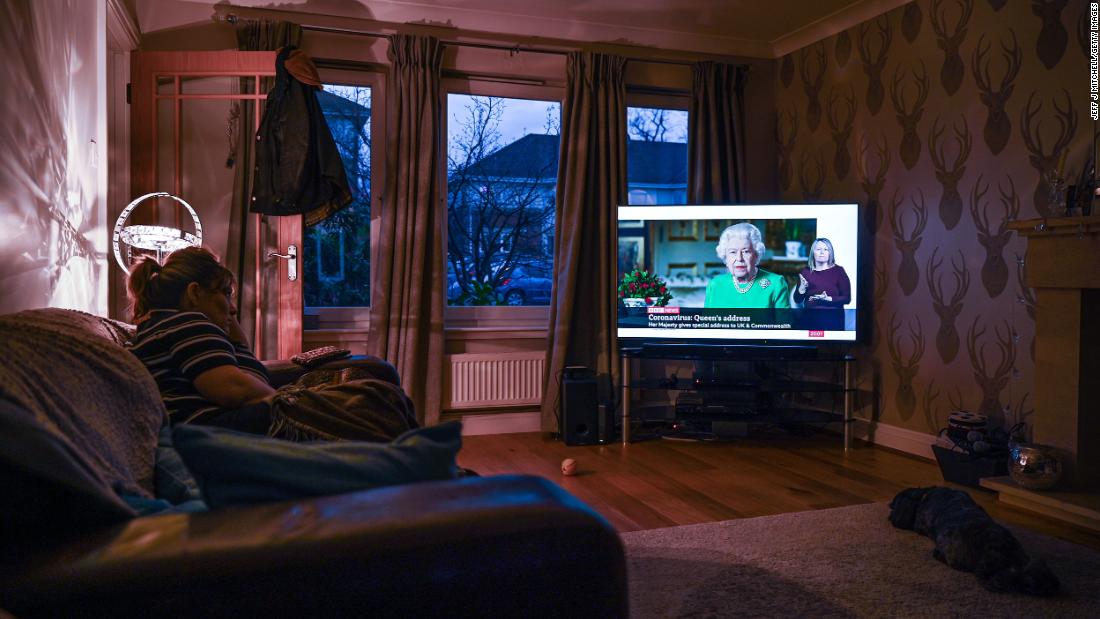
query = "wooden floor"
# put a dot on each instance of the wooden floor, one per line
(664, 483)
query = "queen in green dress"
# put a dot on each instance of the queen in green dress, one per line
(747, 285)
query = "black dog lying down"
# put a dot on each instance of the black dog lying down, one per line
(968, 539)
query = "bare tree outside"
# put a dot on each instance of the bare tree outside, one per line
(650, 124)
(657, 151)
(336, 252)
(500, 193)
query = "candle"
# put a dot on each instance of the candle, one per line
(1061, 164)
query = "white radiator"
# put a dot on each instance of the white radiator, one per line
(487, 380)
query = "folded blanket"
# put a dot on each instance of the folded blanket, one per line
(365, 409)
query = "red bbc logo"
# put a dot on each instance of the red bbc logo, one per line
(817, 334)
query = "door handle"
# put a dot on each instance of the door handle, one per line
(291, 256)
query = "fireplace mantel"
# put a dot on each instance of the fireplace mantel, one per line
(1063, 266)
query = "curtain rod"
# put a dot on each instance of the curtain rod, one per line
(516, 48)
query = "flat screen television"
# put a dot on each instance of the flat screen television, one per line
(734, 274)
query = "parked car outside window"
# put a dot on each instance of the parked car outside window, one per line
(524, 288)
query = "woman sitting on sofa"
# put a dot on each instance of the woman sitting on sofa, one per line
(189, 338)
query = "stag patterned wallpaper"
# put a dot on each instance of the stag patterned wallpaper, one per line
(53, 235)
(942, 117)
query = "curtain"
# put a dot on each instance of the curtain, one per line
(407, 296)
(716, 148)
(243, 232)
(591, 183)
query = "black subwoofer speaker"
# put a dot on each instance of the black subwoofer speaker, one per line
(580, 410)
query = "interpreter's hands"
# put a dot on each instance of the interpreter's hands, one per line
(822, 296)
(802, 284)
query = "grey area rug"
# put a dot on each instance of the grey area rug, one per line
(842, 562)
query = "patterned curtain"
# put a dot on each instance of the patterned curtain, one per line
(716, 147)
(407, 296)
(591, 183)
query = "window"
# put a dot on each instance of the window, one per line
(502, 164)
(336, 252)
(656, 154)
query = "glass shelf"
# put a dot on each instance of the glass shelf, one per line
(659, 412)
(770, 385)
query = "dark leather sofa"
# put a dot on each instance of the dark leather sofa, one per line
(475, 546)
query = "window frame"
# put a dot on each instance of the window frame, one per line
(358, 317)
(459, 319)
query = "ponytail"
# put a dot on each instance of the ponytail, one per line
(153, 286)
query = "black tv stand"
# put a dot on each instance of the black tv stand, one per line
(725, 352)
(759, 391)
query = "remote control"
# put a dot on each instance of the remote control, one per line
(317, 356)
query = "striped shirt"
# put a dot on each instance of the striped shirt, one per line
(177, 347)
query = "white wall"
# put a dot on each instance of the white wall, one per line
(53, 129)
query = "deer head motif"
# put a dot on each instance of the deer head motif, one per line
(843, 48)
(786, 130)
(872, 183)
(951, 204)
(947, 338)
(911, 21)
(1027, 296)
(873, 49)
(812, 71)
(909, 114)
(998, 127)
(1053, 37)
(1040, 159)
(929, 408)
(908, 243)
(1022, 412)
(841, 109)
(991, 381)
(882, 284)
(952, 71)
(786, 70)
(906, 371)
(811, 189)
(994, 269)
(955, 400)
(997, 4)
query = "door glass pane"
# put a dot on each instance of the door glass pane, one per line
(336, 252)
(166, 150)
(502, 166)
(166, 84)
(216, 84)
(656, 155)
(207, 183)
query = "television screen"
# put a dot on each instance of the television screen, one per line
(758, 273)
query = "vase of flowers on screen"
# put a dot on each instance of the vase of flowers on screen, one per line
(640, 288)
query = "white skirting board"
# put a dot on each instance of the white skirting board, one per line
(901, 439)
(500, 423)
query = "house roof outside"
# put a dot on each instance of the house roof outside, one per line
(648, 163)
(335, 105)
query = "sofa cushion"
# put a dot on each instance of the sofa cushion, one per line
(234, 468)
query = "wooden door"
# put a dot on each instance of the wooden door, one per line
(182, 109)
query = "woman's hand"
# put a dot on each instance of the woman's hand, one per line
(802, 284)
(235, 332)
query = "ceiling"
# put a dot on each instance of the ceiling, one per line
(753, 28)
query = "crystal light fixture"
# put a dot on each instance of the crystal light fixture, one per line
(162, 239)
